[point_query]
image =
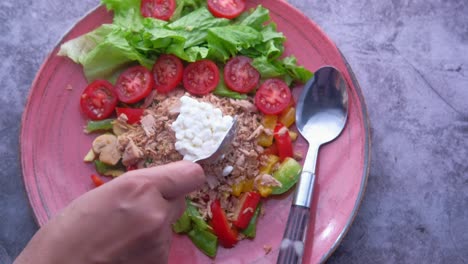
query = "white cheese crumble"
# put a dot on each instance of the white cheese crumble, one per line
(199, 128)
(227, 170)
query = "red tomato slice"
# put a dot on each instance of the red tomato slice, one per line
(98, 100)
(240, 75)
(227, 236)
(167, 72)
(160, 9)
(246, 209)
(133, 114)
(134, 84)
(226, 8)
(283, 141)
(201, 77)
(273, 97)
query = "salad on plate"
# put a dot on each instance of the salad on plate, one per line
(165, 81)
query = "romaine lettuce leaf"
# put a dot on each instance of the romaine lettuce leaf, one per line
(192, 34)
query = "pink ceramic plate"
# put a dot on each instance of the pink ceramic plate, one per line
(53, 145)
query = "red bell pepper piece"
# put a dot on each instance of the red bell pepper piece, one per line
(133, 114)
(283, 141)
(271, 150)
(227, 236)
(132, 167)
(246, 209)
(96, 180)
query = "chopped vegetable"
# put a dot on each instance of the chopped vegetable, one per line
(201, 77)
(293, 135)
(98, 100)
(101, 125)
(108, 170)
(240, 75)
(159, 9)
(223, 90)
(90, 156)
(107, 147)
(167, 72)
(283, 141)
(226, 235)
(273, 97)
(134, 84)
(206, 241)
(226, 8)
(245, 209)
(133, 114)
(183, 224)
(96, 180)
(288, 117)
(288, 174)
(264, 191)
(270, 163)
(251, 229)
(193, 34)
(268, 122)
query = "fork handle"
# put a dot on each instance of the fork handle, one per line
(292, 245)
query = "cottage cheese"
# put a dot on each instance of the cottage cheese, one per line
(199, 128)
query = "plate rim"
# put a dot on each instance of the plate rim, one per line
(357, 88)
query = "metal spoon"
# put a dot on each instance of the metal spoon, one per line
(223, 145)
(322, 111)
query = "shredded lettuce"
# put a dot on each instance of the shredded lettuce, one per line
(192, 34)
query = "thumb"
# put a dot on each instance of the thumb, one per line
(175, 179)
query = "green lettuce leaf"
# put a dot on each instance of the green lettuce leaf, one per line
(225, 42)
(192, 34)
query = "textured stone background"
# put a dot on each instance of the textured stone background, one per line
(411, 59)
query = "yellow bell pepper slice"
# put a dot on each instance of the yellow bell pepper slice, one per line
(237, 189)
(248, 185)
(288, 117)
(293, 135)
(264, 191)
(268, 122)
(268, 167)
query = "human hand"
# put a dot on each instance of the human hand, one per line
(127, 220)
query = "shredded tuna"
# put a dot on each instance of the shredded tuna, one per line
(147, 123)
(267, 249)
(248, 209)
(155, 139)
(282, 131)
(267, 180)
(131, 154)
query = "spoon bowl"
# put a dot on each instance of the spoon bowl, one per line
(321, 115)
(322, 109)
(223, 146)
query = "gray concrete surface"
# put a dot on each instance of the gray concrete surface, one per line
(411, 59)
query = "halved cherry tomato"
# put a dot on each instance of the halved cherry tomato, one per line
(240, 75)
(133, 114)
(227, 236)
(96, 180)
(167, 72)
(246, 209)
(226, 8)
(160, 9)
(98, 100)
(201, 77)
(134, 84)
(273, 97)
(283, 141)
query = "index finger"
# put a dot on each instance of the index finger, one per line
(175, 179)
